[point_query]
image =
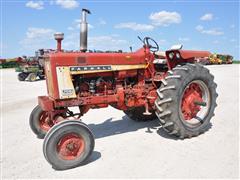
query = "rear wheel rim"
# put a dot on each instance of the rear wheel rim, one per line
(195, 103)
(70, 146)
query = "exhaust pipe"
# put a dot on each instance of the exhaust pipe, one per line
(84, 30)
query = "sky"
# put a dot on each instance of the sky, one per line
(200, 25)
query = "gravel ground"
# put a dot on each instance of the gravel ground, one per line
(124, 149)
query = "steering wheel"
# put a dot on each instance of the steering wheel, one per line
(151, 43)
(146, 41)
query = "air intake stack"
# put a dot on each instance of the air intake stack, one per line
(59, 37)
(84, 30)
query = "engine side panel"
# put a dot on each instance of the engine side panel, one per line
(65, 85)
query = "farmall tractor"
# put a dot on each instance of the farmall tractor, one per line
(180, 94)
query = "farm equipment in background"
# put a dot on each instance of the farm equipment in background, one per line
(2, 62)
(203, 60)
(10, 63)
(226, 59)
(32, 67)
(30, 72)
(214, 59)
(180, 94)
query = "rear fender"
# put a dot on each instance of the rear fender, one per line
(175, 57)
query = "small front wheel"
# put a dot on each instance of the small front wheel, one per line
(68, 144)
(39, 122)
(22, 76)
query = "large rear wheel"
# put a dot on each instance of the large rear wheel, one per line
(186, 100)
(68, 144)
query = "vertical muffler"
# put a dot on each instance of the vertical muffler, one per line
(84, 30)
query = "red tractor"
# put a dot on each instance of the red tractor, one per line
(180, 94)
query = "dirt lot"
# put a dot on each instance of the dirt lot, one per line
(124, 149)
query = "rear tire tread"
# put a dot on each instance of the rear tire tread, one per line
(170, 121)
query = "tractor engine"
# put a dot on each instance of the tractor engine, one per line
(106, 84)
(89, 86)
(97, 80)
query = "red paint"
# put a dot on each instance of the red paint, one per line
(72, 59)
(44, 122)
(46, 103)
(185, 56)
(70, 146)
(192, 94)
(59, 45)
(117, 92)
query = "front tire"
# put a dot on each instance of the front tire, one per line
(38, 122)
(186, 101)
(136, 114)
(68, 144)
(22, 76)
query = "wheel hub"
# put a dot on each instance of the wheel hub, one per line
(70, 146)
(191, 101)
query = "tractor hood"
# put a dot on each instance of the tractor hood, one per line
(83, 59)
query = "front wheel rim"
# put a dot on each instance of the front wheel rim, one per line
(70, 146)
(195, 103)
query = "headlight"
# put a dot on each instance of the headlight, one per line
(171, 55)
(178, 55)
